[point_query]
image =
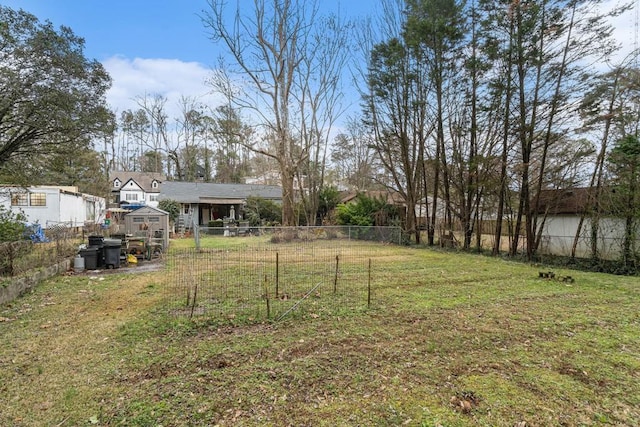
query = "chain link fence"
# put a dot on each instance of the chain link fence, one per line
(20, 257)
(274, 273)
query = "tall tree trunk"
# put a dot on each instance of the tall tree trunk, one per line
(537, 229)
(505, 144)
(526, 129)
(593, 196)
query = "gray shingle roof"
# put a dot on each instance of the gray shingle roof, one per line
(148, 210)
(193, 192)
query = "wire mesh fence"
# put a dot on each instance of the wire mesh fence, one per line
(287, 234)
(20, 257)
(273, 274)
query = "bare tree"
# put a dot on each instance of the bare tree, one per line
(353, 156)
(321, 92)
(277, 52)
(158, 137)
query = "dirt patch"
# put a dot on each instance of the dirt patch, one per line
(142, 267)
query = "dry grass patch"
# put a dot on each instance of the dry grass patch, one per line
(452, 340)
(60, 340)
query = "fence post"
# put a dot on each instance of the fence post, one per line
(193, 304)
(369, 287)
(266, 296)
(335, 277)
(277, 274)
(196, 235)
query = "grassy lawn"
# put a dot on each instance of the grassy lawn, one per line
(450, 340)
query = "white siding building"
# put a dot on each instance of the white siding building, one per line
(562, 211)
(50, 206)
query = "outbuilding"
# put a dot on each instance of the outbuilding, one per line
(54, 206)
(149, 222)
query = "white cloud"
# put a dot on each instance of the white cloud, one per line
(171, 78)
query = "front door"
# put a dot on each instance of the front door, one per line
(205, 216)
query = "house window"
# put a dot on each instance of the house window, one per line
(138, 219)
(186, 209)
(154, 184)
(116, 183)
(154, 219)
(38, 199)
(19, 199)
(131, 197)
(153, 197)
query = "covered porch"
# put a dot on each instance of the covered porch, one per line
(211, 209)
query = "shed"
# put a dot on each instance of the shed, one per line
(150, 222)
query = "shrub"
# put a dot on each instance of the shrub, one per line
(259, 210)
(284, 236)
(10, 253)
(216, 223)
(12, 225)
(365, 211)
(329, 198)
(171, 207)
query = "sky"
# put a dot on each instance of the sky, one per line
(161, 46)
(148, 47)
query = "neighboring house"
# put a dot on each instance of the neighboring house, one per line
(394, 198)
(202, 202)
(50, 205)
(562, 210)
(135, 188)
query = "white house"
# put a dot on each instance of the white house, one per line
(50, 205)
(562, 211)
(135, 188)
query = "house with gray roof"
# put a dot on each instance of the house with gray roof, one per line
(202, 202)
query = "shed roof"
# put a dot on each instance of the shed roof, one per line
(206, 192)
(565, 201)
(147, 210)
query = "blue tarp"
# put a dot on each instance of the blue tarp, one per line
(35, 233)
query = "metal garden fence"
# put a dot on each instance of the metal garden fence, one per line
(276, 273)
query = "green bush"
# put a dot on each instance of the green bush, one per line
(171, 207)
(259, 210)
(216, 223)
(366, 211)
(12, 225)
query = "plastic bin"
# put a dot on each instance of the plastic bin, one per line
(78, 264)
(112, 252)
(98, 243)
(90, 256)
